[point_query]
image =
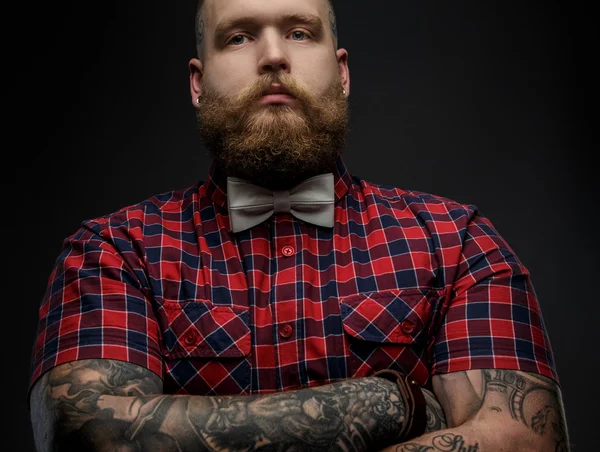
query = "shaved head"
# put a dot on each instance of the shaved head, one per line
(199, 25)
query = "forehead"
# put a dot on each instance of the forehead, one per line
(213, 11)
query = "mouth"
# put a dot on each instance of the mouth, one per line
(276, 94)
(276, 99)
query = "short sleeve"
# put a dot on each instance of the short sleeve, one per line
(493, 317)
(95, 306)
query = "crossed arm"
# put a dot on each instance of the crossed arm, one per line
(112, 405)
(495, 410)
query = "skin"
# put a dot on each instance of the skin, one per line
(112, 405)
(107, 405)
(495, 410)
(269, 45)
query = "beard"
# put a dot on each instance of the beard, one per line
(274, 145)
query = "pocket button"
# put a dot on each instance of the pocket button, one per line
(407, 326)
(191, 338)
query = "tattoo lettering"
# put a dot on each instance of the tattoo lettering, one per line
(333, 23)
(448, 442)
(112, 405)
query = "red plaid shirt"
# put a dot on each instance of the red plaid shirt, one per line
(405, 280)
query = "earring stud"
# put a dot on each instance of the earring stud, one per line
(198, 100)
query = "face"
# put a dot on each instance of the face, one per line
(270, 85)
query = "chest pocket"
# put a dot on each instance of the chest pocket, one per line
(202, 330)
(205, 348)
(387, 330)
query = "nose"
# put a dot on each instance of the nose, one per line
(273, 56)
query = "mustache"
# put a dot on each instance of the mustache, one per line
(264, 82)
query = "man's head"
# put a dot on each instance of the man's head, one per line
(287, 48)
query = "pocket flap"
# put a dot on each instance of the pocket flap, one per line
(388, 317)
(199, 329)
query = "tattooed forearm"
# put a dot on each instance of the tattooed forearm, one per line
(527, 405)
(495, 409)
(67, 398)
(111, 404)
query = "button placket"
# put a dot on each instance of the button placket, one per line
(286, 294)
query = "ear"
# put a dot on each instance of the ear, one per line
(196, 73)
(342, 59)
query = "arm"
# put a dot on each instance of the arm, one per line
(95, 404)
(494, 409)
(492, 315)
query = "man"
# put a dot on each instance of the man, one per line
(284, 304)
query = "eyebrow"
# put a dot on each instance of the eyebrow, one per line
(249, 21)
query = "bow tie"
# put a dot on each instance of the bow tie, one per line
(312, 201)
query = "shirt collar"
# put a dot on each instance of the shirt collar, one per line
(216, 183)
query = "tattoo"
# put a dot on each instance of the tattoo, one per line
(448, 442)
(436, 419)
(72, 391)
(531, 399)
(200, 32)
(110, 405)
(333, 23)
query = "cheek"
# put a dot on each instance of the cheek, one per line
(229, 77)
(317, 75)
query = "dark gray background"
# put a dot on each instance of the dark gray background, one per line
(484, 102)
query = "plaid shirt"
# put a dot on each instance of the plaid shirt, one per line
(405, 280)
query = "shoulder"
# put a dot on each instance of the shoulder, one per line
(153, 210)
(427, 206)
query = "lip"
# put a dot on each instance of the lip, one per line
(276, 98)
(276, 94)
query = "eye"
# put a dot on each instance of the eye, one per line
(298, 35)
(237, 40)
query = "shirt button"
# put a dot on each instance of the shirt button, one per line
(407, 326)
(288, 250)
(191, 338)
(285, 331)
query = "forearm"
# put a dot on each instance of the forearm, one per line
(512, 411)
(459, 439)
(352, 415)
(477, 437)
